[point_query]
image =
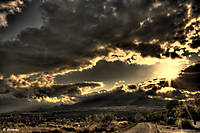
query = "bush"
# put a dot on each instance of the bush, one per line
(172, 104)
(183, 124)
(101, 118)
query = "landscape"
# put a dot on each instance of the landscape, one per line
(100, 66)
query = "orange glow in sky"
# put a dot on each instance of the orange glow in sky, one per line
(169, 69)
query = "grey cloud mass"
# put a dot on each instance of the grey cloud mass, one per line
(8, 7)
(12, 89)
(75, 32)
(79, 34)
(30, 16)
(189, 78)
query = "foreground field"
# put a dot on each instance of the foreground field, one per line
(66, 122)
(176, 117)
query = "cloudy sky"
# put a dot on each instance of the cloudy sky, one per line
(81, 51)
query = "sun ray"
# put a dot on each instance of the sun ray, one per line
(169, 69)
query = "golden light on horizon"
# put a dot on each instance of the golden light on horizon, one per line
(60, 99)
(166, 89)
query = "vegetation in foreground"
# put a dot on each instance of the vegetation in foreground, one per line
(180, 114)
(66, 122)
(184, 115)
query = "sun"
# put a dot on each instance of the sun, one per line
(169, 69)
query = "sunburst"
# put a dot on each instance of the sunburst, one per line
(169, 69)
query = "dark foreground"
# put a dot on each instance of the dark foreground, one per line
(176, 117)
(68, 121)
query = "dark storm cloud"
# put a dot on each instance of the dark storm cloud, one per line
(189, 79)
(10, 88)
(192, 69)
(30, 16)
(9, 7)
(77, 31)
(72, 90)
